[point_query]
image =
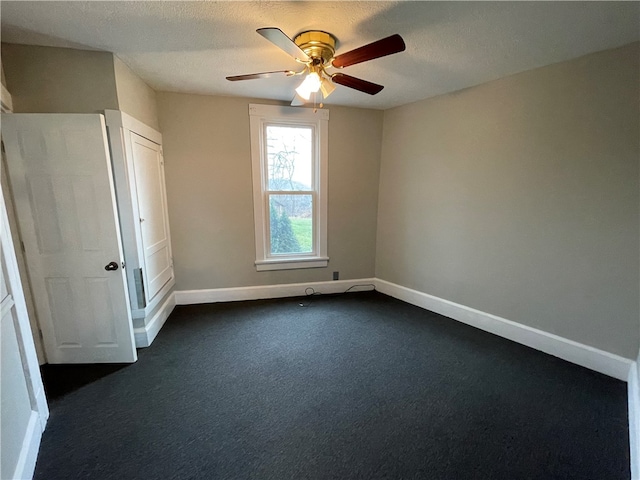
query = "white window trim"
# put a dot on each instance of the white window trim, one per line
(259, 115)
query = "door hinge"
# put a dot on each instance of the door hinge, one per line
(22, 246)
(40, 335)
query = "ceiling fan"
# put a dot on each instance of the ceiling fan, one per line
(316, 49)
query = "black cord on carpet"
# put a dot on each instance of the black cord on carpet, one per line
(310, 292)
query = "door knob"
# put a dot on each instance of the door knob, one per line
(111, 266)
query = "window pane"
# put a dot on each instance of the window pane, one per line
(289, 155)
(291, 223)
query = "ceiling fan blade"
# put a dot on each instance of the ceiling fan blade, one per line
(356, 83)
(381, 48)
(280, 40)
(252, 76)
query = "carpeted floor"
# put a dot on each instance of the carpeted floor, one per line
(357, 386)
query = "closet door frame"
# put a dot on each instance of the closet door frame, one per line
(119, 127)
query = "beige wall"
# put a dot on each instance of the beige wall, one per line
(520, 198)
(208, 172)
(134, 96)
(64, 80)
(59, 80)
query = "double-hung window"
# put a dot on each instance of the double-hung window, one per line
(289, 148)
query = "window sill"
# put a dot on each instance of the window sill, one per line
(291, 263)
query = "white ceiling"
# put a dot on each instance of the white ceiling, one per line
(193, 46)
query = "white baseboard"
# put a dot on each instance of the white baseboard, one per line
(633, 389)
(144, 336)
(190, 297)
(43, 408)
(574, 352)
(143, 312)
(29, 452)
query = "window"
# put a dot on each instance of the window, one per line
(289, 148)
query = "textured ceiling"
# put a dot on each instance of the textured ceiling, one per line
(193, 46)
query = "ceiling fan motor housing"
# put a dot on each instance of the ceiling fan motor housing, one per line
(317, 45)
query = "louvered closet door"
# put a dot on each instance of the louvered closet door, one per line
(154, 227)
(60, 172)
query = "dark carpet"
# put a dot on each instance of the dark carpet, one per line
(355, 386)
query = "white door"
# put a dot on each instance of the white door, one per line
(23, 407)
(154, 225)
(60, 173)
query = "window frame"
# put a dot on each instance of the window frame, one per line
(260, 116)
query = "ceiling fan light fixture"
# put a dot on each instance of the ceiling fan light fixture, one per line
(327, 87)
(309, 85)
(316, 50)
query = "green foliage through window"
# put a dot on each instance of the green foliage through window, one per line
(283, 239)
